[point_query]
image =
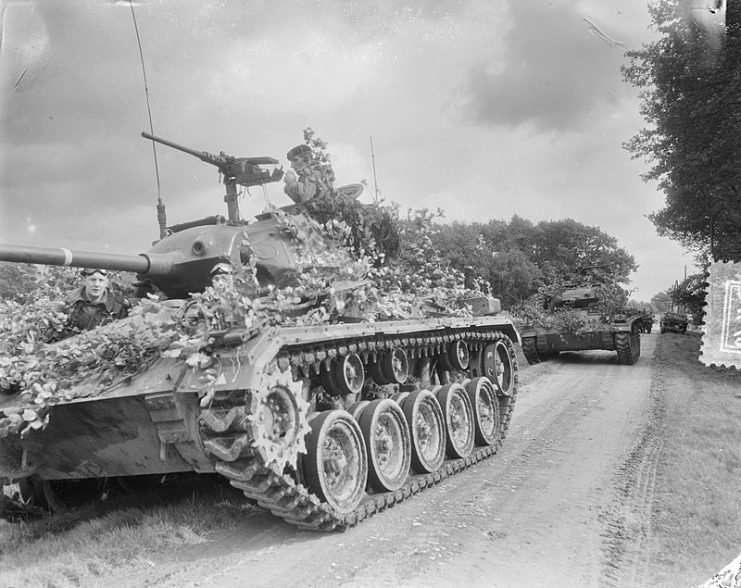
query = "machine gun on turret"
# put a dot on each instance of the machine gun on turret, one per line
(245, 171)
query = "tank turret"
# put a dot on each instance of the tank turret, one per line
(576, 296)
(179, 264)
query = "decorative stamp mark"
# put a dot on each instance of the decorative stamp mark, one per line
(721, 341)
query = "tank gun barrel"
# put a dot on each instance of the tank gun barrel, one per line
(144, 264)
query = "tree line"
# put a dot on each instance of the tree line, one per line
(690, 87)
(519, 258)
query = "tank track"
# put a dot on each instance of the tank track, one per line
(628, 345)
(227, 433)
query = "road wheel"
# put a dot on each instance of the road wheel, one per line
(457, 357)
(30, 491)
(399, 397)
(458, 418)
(388, 441)
(498, 366)
(390, 368)
(335, 464)
(486, 417)
(357, 407)
(427, 429)
(63, 495)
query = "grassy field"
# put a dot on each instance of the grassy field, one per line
(127, 534)
(696, 522)
(696, 518)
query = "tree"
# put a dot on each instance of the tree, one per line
(463, 246)
(513, 277)
(567, 250)
(518, 233)
(518, 258)
(662, 302)
(642, 304)
(693, 138)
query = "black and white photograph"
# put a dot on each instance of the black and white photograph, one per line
(366, 293)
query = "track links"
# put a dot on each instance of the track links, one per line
(226, 430)
(628, 345)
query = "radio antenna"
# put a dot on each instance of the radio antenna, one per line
(373, 160)
(161, 216)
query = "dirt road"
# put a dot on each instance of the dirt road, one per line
(557, 506)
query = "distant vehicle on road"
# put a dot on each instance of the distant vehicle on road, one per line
(571, 320)
(674, 322)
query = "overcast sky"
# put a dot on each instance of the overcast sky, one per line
(483, 108)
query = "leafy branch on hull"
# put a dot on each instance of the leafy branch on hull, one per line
(339, 279)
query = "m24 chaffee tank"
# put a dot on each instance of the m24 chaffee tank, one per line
(322, 424)
(571, 321)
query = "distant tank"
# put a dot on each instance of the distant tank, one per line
(322, 425)
(571, 321)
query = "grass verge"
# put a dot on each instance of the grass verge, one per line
(87, 545)
(696, 514)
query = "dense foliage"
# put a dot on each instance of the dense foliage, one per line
(691, 103)
(339, 279)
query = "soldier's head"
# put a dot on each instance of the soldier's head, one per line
(222, 274)
(96, 282)
(300, 156)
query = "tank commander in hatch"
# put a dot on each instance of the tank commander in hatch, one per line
(222, 280)
(307, 178)
(94, 303)
(222, 275)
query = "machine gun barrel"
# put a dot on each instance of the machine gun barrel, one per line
(245, 171)
(219, 161)
(144, 264)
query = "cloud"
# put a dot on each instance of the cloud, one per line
(554, 73)
(23, 45)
